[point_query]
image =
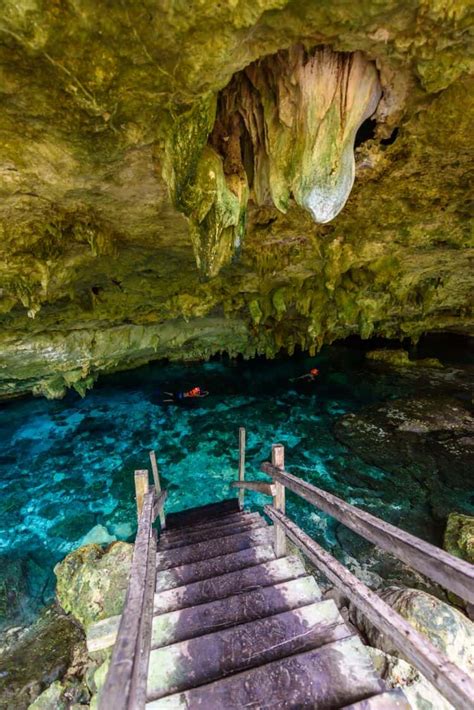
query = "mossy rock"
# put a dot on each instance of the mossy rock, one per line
(92, 582)
(459, 536)
(43, 654)
(400, 358)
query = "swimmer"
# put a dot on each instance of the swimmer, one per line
(193, 393)
(308, 377)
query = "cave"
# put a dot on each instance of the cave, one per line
(235, 235)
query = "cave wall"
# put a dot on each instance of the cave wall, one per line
(105, 110)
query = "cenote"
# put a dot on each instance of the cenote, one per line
(67, 465)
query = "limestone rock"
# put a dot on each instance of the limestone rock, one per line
(52, 648)
(400, 358)
(50, 699)
(92, 582)
(397, 673)
(459, 536)
(449, 630)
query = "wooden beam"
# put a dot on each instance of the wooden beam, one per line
(278, 461)
(117, 689)
(158, 504)
(455, 685)
(241, 464)
(156, 478)
(450, 572)
(141, 489)
(268, 489)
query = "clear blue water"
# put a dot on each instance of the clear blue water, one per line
(67, 466)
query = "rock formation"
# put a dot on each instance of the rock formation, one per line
(114, 180)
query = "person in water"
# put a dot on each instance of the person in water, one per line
(308, 376)
(193, 393)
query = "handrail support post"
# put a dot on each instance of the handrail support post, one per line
(156, 479)
(241, 465)
(141, 489)
(278, 460)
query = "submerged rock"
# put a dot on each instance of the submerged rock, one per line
(92, 582)
(447, 629)
(424, 437)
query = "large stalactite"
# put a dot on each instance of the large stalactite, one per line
(285, 129)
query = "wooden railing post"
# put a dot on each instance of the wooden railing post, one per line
(278, 460)
(141, 489)
(156, 478)
(241, 464)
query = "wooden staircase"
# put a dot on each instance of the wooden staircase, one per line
(232, 625)
(219, 616)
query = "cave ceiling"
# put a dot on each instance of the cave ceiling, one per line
(173, 184)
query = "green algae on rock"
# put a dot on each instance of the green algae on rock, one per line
(400, 358)
(105, 118)
(459, 536)
(91, 582)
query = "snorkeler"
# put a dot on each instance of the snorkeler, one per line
(308, 377)
(195, 392)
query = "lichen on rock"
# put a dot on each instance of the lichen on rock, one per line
(92, 582)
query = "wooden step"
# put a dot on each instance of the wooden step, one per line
(207, 525)
(329, 677)
(212, 548)
(391, 700)
(219, 531)
(191, 516)
(201, 660)
(196, 621)
(226, 585)
(186, 574)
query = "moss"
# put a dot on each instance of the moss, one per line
(459, 536)
(105, 118)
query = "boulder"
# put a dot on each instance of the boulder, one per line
(459, 536)
(447, 629)
(92, 582)
(50, 650)
(426, 437)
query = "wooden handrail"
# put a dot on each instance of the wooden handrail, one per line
(455, 685)
(129, 657)
(450, 572)
(258, 486)
(158, 505)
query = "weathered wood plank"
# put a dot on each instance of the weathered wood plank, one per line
(225, 585)
(243, 607)
(451, 681)
(116, 691)
(278, 460)
(258, 486)
(142, 653)
(326, 678)
(211, 533)
(391, 700)
(156, 478)
(141, 489)
(185, 574)
(449, 571)
(201, 660)
(212, 548)
(213, 523)
(202, 513)
(241, 464)
(158, 506)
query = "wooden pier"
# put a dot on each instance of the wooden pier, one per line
(219, 616)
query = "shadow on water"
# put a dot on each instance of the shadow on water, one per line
(66, 467)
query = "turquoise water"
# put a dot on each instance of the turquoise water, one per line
(67, 466)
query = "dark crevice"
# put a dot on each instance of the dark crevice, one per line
(391, 139)
(365, 132)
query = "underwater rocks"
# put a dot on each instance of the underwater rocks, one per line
(92, 582)
(423, 437)
(52, 649)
